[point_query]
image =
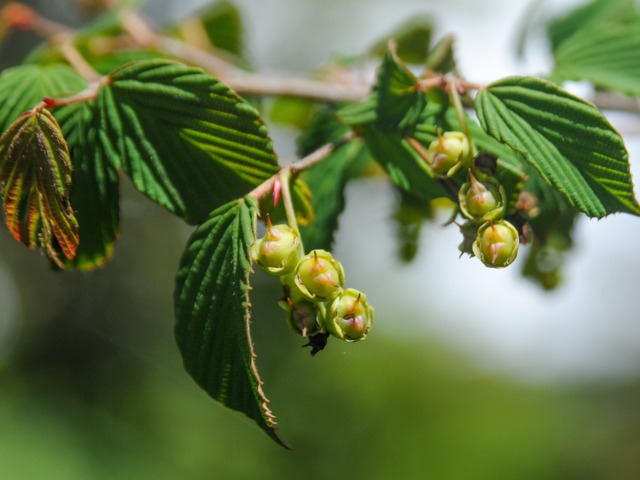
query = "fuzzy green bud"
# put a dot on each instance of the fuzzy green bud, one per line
(482, 201)
(278, 251)
(496, 244)
(319, 276)
(350, 317)
(447, 153)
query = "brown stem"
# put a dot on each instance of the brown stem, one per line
(90, 93)
(614, 101)
(239, 80)
(144, 36)
(310, 160)
(78, 62)
(289, 86)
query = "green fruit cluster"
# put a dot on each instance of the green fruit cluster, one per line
(315, 299)
(481, 199)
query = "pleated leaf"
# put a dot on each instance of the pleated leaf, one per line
(212, 312)
(571, 144)
(186, 140)
(607, 56)
(35, 176)
(95, 186)
(23, 87)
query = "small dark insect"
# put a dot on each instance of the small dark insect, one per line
(486, 162)
(317, 342)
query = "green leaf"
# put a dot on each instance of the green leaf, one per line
(400, 102)
(396, 103)
(412, 40)
(571, 144)
(218, 26)
(186, 140)
(324, 127)
(35, 176)
(106, 62)
(551, 213)
(23, 87)
(406, 168)
(606, 55)
(212, 312)
(596, 12)
(327, 181)
(441, 57)
(290, 111)
(362, 113)
(95, 186)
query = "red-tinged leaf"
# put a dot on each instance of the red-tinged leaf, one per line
(35, 178)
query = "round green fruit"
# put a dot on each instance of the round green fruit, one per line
(496, 244)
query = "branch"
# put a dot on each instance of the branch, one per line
(90, 93)
(77, 61)
(239, 80)
(288, 86)
(309, 161)
(604, 100)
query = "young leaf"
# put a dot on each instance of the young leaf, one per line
(221, 25)
(23, 87)
(412, 39)
(35, 175)
(571, 144)
(396, 102)
(607, 56)
(327, 181)
(441, 57)
(186, 140)
(212, 312)
(400, 102)
(95, 186)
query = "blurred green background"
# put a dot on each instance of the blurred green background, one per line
(469, 373)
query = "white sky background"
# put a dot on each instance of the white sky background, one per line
(589, 329)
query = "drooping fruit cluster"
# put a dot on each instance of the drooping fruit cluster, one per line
(315, 299)
(481, 199)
